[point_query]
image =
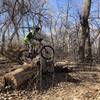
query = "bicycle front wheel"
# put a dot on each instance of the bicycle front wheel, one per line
(47, 52)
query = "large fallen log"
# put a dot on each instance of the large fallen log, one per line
(64, 64)
(71, 64)
(22, 74)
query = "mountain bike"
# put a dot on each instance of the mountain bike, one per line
(45, 51)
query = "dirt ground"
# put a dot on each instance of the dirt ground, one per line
(81, 84)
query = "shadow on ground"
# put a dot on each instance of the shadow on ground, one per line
(60, 75)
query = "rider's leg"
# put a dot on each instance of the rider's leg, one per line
(30, 49)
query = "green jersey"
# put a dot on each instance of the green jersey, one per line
(29, 36)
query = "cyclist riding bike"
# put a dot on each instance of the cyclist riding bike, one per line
(30, 39)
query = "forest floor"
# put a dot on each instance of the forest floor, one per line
(76, 85)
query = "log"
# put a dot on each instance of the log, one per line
(22, 74)
(71, 64)
(64, 64)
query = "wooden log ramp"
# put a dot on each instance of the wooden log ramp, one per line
(22, 73)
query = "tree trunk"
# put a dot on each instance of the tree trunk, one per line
(85, 36)
(98, 52)
(3, 44)
(88, 46)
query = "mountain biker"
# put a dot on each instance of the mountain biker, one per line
(30, 37)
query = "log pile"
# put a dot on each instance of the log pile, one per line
(22, 74)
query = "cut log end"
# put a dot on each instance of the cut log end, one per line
(10, 80)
